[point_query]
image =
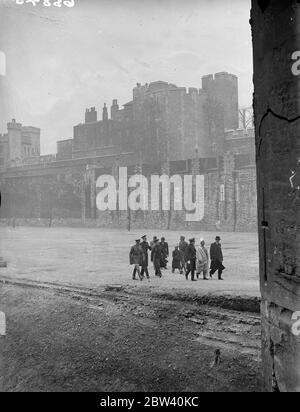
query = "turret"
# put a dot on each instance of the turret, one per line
(223, 88)
(226, 88)
(104, 113)
(114, 109)
(14, 140)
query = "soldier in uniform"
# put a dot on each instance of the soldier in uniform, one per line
(182, 247)
(136, 258)
(190, 258)
(146, 247)
(156, 255)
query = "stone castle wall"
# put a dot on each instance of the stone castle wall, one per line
(69, 195)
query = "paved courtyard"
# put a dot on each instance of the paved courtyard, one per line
(98, 257)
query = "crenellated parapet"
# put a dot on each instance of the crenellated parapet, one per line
(13, 125)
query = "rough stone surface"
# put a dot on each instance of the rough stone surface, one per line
(276, 32)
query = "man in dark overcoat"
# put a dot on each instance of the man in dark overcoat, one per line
(216, 256)
(156, 255)
(190, 258)
(146, 247)
(183, 245)
(165, 253)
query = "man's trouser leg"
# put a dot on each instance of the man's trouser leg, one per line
(136, 270)
(157, 268)
(139, 272)
(193, 274)
(145, 271)
(213, 269)
(187, 273)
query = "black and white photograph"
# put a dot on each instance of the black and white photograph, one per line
(149, 199)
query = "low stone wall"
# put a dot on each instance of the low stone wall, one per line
(157, 220)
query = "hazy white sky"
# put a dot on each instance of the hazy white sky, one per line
(60, 61)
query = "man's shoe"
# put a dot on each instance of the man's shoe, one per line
(221, 279)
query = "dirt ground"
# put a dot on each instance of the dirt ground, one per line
(77, 322)
(76, 340)
(96, 257)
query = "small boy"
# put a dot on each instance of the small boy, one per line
(176, 263)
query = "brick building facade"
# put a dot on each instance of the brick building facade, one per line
(163, 129)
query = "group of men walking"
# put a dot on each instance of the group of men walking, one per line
(187, 258)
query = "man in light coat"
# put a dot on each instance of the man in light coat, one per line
(202, 260)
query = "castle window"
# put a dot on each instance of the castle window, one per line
(222, 193)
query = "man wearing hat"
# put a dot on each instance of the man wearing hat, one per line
(136, 258)
(182, 247)
(190, 258)
(146, 247)
(152, 243)
(216, 257)
(156, 255)
(165, 253)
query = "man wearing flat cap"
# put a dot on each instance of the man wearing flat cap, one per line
(216, 256)
(190, 258)
(146, 247)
